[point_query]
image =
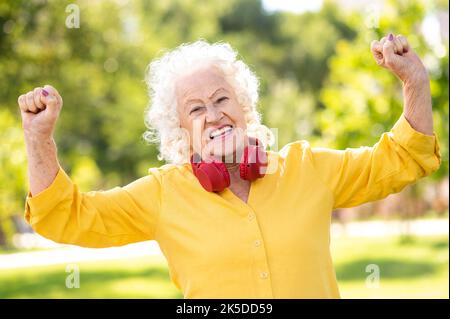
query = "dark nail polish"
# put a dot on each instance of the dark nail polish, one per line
(44, 92)
(391, 37)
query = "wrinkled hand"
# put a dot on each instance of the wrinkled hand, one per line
(395, 54)
(40, 110)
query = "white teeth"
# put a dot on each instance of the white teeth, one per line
(223, 130)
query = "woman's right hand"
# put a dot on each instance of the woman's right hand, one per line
(40, 110)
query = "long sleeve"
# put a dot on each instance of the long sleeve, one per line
(359, 175)
(114, 217)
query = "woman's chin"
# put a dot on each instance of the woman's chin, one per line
(230, 155)
(226, 155)
(227, 149)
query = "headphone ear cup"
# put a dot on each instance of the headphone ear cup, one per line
(253, 163)
(213, 176)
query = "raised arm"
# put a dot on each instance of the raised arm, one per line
(395, 54)
(408, 152)
(40, 110)
(58, 210)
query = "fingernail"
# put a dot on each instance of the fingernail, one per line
(44, 92)
(391, 37)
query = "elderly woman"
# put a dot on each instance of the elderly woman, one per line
(233, 219)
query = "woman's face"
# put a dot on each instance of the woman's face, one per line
(208, 109)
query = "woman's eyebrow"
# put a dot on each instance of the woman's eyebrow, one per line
(219, 89)
(189, 101)
(192, 101)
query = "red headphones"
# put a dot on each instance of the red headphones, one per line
(214, 176)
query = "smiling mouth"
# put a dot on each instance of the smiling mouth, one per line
(221, 132)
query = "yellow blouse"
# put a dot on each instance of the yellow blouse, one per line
(274, 246)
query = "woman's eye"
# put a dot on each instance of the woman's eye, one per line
(195, 109)
(223, 98)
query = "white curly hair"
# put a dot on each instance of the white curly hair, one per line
(161, 117)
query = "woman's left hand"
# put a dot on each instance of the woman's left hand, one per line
(395, 54)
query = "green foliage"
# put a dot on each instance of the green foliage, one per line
(12, 174)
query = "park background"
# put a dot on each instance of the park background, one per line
(319, 82)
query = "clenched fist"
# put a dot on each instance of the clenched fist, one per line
(394, 53)
(40, 109)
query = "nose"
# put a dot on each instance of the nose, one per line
(213, 114)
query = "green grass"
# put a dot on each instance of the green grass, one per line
(413, 268)
(145, 277)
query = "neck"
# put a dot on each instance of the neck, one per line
(236, 182)
(239, 186)
(232, 167)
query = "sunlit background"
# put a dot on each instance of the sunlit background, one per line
(318, 82)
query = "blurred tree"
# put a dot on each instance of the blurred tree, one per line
(12, 174)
